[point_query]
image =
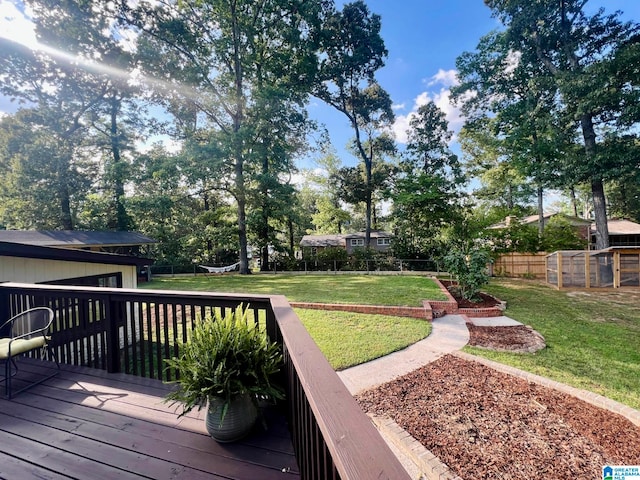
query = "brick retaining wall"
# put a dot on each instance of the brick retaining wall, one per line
(430, 308)
(412, 312)
(451, 306)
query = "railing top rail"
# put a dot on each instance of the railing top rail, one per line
(143, 293)
(357, 449)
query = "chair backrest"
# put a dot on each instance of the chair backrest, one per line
(32, 322)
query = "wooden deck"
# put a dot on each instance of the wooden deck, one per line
(88, 424)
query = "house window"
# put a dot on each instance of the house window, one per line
(109, 280)
(384, 241)
(357, 242)
(314, 251)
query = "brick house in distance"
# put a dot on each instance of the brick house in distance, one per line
(380, 241)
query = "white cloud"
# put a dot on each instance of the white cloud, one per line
(452, 113)
(513, 60)
(446, 78)
(400, 127)
(398, 106)
(441, 98)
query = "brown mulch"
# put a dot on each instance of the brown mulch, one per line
(517, 338)
(484, 424)
(483, 300)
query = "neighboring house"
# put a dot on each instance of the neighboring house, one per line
(581, 225)
(380, 241)
(622, 233)
(72, 258)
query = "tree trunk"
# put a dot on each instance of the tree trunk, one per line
(65, 205)
(264, 218)
(122, 219)
(600, 212)
(540, 212)
(240, 187)
(242, 220)
(64, 196)
(597, 186)
(292, 246)
(574, 200)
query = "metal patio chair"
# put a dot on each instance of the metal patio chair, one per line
(26, 332)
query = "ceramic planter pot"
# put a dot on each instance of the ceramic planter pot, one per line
(240, 418)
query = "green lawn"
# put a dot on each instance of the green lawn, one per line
(345, 338)
(402, 290)
(593, 338)
(348, 339)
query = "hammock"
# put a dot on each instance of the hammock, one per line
(228, 268)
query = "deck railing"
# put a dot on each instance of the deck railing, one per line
(133, 331)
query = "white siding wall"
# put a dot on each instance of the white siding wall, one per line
(30, 270)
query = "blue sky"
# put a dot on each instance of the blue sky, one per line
(423, 37)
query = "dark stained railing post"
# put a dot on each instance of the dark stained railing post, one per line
(111, 330)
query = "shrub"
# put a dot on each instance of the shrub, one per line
(225, 357)
(469, 266)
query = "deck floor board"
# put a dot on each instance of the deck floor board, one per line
(86, 423)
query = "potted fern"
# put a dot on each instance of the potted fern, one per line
(228, 365)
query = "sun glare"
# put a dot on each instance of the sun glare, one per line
(15, 26)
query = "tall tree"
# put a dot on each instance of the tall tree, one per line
(328, 214)
(426, 193)
(582, 54)
(45, 173)
(512, 131)
(82, 63)
(488, 159)
(224, 59)
(59, 94)
(351, 51)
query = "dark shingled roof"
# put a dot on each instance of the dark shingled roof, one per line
(74, 238)
(322, 241)
(22, 250)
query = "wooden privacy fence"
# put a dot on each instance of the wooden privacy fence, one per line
(133, 331)
(516, 264)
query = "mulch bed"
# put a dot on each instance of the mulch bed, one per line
(483, 300)
(517, 338)
(486, 424)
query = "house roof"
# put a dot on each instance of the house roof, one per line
(323, 241)
(338, 240)
(621, 227)
(533, 219)
(374, 234)
(74, 238)
(8, 249)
